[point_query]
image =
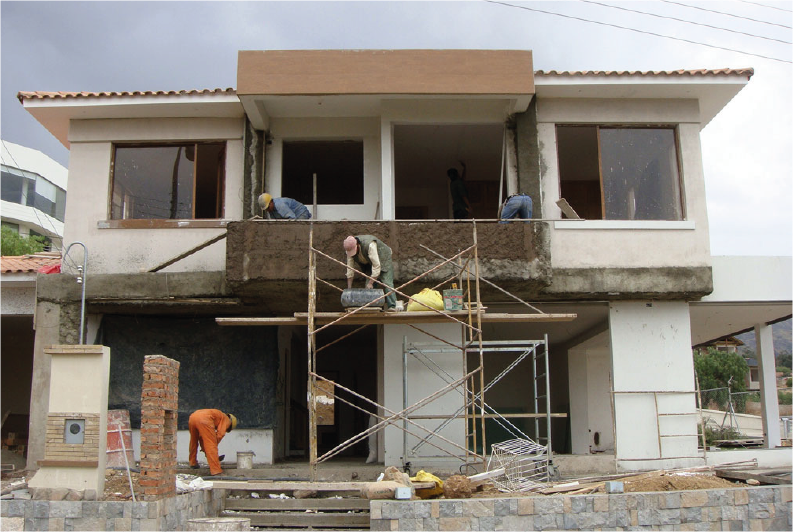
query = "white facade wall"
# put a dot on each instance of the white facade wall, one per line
(589, 374)
(625, 244)
(653, 376)
(136, 250)
(19, 300)
(421, 383)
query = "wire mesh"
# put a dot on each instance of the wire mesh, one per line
(525, 465)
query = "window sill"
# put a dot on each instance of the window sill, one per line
(160, 224)
(626, 224)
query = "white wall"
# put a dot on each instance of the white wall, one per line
(260, 441)
(651, 352)
(421, 383)
(20, 301)
(136, 250)
(589, 368)
(762, 279)
(592, 244)
(365, 129)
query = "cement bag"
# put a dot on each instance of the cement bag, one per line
(428, 296)
(428, 493)
(380, 490)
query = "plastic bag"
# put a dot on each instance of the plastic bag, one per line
(428, 493)
(428, 296)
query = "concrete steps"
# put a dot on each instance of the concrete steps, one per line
(336, 506)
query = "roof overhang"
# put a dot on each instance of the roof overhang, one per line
(295, 83)
(713, 89)
(54, 111)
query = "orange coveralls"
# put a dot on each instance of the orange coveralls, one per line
(207, 427)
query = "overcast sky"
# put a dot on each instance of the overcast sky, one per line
(125, 46)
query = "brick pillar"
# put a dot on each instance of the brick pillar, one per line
(158, 410)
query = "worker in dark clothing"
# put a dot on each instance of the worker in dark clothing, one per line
(371, 256)
(461, 209)
(207, 428)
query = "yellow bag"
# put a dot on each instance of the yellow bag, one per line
(428, 493)
(428, 296)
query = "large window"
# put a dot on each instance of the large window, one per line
(620, 173)
(32, 190)
(339, 169)
(174, 181)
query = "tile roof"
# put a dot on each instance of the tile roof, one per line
(647, 73)
(27, 263)
(44, 95)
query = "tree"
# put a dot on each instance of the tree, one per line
(14, 244)
(716, 368)
(784, 360)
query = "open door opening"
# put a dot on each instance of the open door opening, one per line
(423, 154)
(352, 363)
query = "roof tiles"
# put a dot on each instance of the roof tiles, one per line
(44, 95)
(26, 263)
(647, 73)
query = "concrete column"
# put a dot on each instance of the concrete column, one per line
(47, 326)
(769, 401)
(653, 372)
(387, 205)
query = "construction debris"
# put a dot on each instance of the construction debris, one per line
(457, 487)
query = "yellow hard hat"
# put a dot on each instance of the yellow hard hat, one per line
(264, 200)
(233, 422)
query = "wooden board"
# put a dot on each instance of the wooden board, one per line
(288, 486)
(302, 519)
(764, 476)
(283, 505)
(322, 318)
(325, 402)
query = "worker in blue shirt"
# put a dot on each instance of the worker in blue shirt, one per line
(283, 208)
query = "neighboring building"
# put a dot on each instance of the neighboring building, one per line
(156, 174)
(33, 194)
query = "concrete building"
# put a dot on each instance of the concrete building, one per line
(34, 193)
(155, 175)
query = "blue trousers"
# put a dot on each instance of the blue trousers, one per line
(519, 206)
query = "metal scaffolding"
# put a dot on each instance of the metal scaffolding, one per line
(471, 385)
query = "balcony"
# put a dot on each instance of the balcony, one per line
(267, 261)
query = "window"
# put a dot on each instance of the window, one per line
(339, 169)
(174, 181)
(32, 190)
(620, 173)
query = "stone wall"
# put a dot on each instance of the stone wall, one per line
(750, 508)
(166, 514)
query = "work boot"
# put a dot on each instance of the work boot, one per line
(195, 466)
(221, 457)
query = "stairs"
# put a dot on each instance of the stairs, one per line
(336, 506)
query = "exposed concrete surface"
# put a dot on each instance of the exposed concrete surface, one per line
(528, 150)
(630, 283)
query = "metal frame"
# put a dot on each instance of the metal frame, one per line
(472, 342)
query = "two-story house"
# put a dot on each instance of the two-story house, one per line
(157, 175)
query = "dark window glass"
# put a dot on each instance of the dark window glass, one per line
(620, 173)
(168, 182)
(11, 187)
(339, 169)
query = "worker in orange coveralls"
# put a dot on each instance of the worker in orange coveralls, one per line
(207, 427)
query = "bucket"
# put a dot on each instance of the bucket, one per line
(453, 299)
(245, 459)
(119, 439)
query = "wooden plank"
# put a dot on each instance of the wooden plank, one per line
(189, 251)
(764, 476)
(322, 318)
(303, 519)
(284, 486)
(297, 504)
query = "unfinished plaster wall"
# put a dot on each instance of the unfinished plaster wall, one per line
(124, 250)
(530, 161)
(365, 129)
(647, 244)
(421, 383)
(591, 424)
(653, 373)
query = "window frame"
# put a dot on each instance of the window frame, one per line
(598, 127)
(154, 223)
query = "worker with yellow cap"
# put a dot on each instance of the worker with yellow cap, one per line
(283, 208)
(370, 255)
(207, 428)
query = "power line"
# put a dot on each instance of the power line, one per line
(685, 21)
(639, 31)
(726, 14)
(763, 5)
